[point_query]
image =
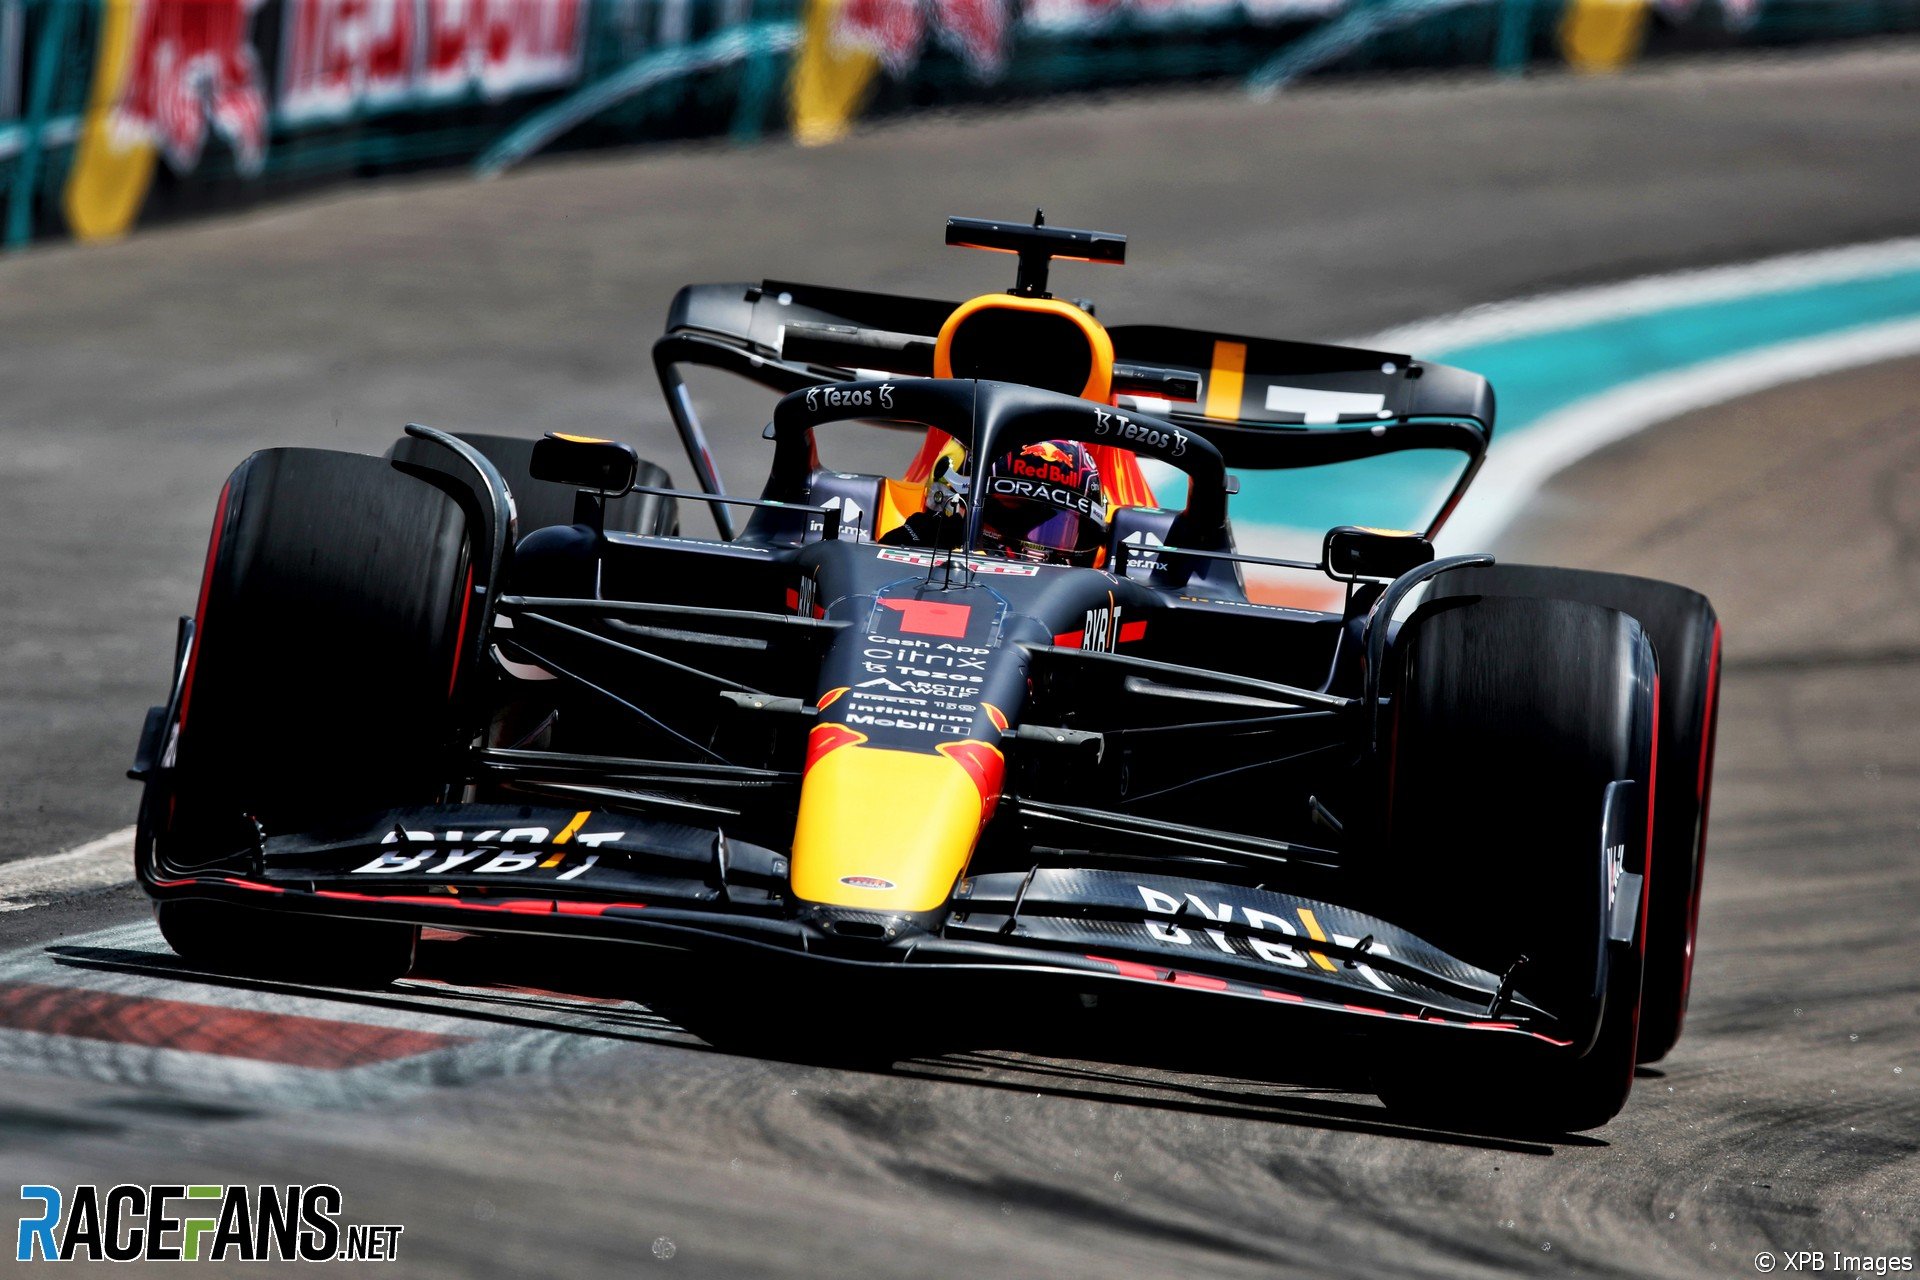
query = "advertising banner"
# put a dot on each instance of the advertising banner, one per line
(117, 112)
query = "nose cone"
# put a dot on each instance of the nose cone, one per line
(889, 830)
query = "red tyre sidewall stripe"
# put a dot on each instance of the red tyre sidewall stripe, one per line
(200, 609)
(1653, 776)
(460, 632)
(1710, 719)
(1700, 786)
(1646, 881)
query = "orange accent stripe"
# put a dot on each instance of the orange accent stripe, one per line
(1318, 935)
(827, 699)
(1226, 381)
(566, 834)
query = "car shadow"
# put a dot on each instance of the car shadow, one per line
(1051, 1047)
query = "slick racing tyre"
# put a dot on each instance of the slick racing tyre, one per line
(326, 647)
(1510, 720)
(1686, 639)
(540, 503)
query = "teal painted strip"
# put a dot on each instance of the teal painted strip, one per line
(59, 131)
(26, 175)
(1539, 374)
(1336, 39)
(533, 133)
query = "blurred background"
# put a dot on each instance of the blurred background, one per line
(1679, 236)
(123, 113)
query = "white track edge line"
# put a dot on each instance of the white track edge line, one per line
(100, 863)
(1514, 475)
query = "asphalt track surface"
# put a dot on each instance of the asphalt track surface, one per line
(523, 1119)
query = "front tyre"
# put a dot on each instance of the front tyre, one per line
(1686, 639)
(327, 647)
(1510, 721)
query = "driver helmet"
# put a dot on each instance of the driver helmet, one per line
(1042, 503)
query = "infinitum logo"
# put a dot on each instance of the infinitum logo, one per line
(126, 1223)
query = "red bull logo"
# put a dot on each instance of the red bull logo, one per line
(166, 74)
(1047, 461)
(895, 31)
(191, 69)
(169, 73)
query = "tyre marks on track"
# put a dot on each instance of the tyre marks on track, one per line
(117, 1006)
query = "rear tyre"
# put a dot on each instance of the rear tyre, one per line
(1511, 719)
(541, 503)
(327, 645)
(1686, 638)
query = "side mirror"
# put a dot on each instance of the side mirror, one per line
(1356, 554)
(583, 462)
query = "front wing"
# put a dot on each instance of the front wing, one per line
(533, 870)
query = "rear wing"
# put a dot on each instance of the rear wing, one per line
(1265, 404)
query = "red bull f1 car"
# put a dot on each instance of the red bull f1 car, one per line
(982, 726)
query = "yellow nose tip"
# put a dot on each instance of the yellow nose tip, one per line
(887, 830)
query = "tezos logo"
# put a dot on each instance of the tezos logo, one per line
(197, 1223)
(1121, 427)
(850, 397)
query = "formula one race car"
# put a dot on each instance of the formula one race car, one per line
(997, 722)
